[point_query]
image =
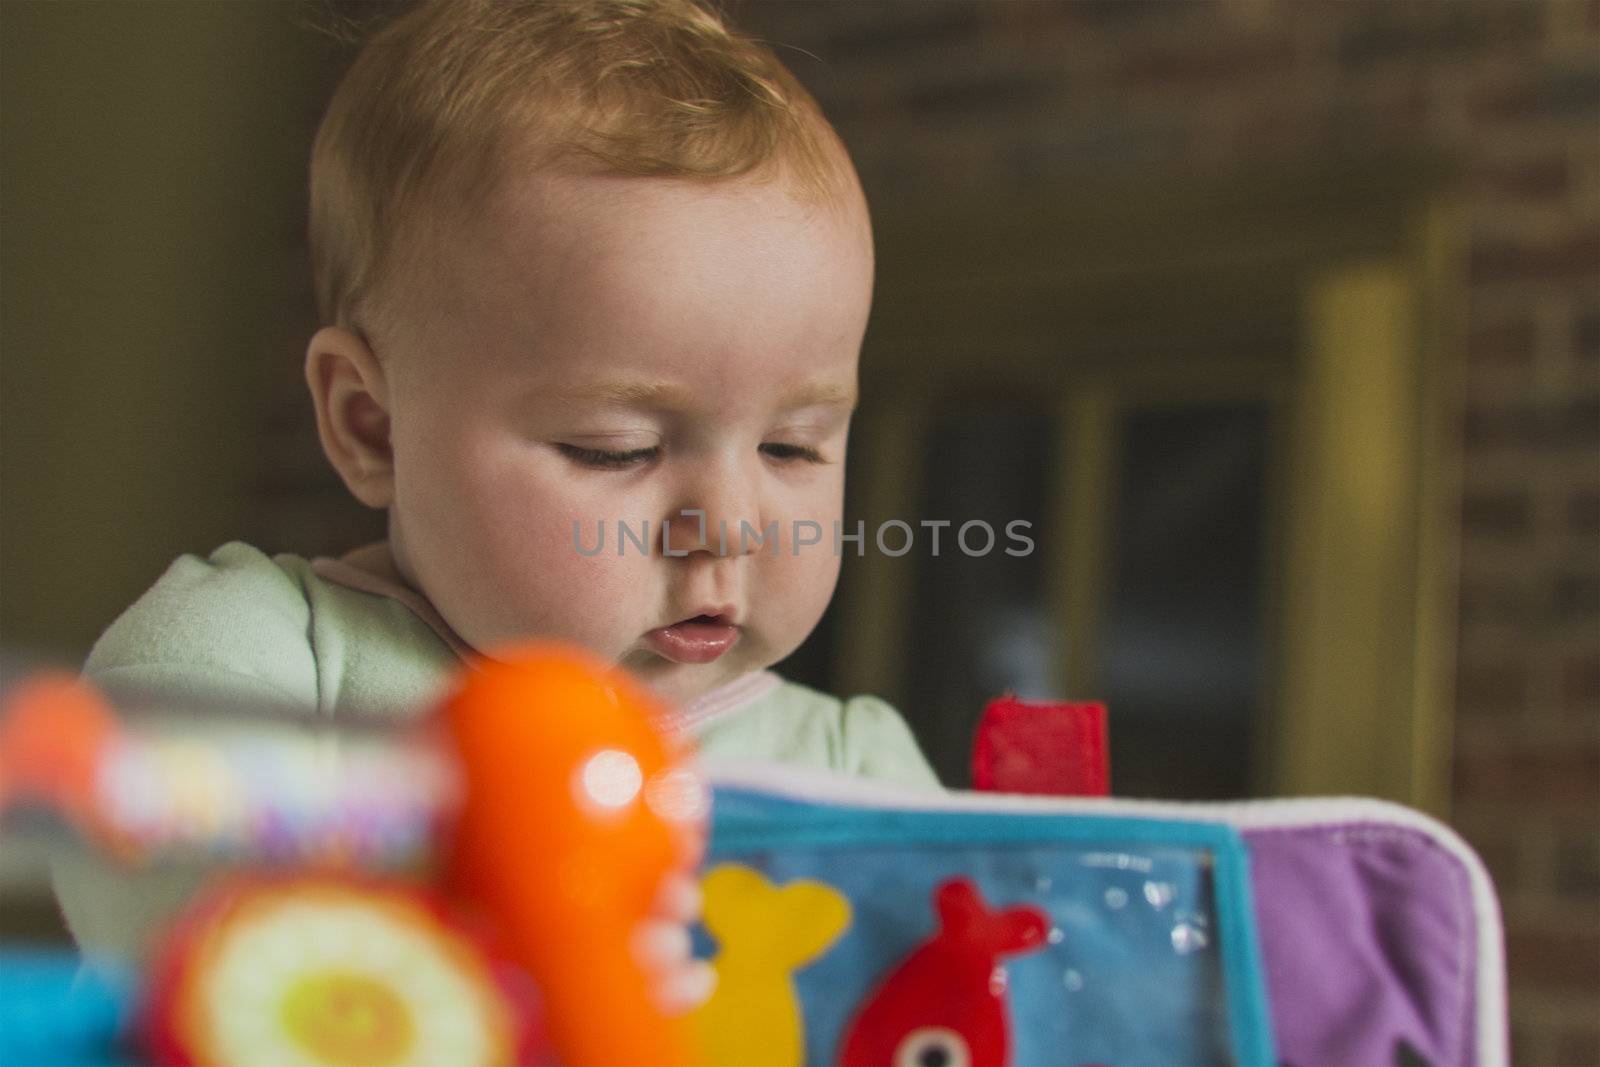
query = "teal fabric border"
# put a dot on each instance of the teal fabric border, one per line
(745, 820)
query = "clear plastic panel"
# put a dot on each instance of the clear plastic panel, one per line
(1130, 971)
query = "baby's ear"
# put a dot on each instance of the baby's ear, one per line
(351, 396)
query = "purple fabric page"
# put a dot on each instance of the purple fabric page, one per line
(1369, 946)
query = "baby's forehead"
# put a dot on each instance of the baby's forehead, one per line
(652, 278)
(605, 251)
(545, 229)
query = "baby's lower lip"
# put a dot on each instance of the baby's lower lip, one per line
(693, 641)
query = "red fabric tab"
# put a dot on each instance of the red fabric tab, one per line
(1053, 749)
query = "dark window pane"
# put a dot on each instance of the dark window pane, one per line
(979, 624)
(1183, 655)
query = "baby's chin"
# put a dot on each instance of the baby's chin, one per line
(673, 682)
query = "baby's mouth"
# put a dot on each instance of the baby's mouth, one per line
(699, 639)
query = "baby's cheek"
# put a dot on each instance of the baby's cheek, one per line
(534, 574)
(575, 576)
(798, 577)
(795, 589)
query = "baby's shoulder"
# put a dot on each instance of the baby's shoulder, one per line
(233, 578)
(241, 626)
(243, 588)
(232, 624)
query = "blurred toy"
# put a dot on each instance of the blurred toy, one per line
(573, 808)
(265, 787)
(328, 971)
(54, 735)
(945, 1003)
(552, 792)
(764, 933)
(54, 1012)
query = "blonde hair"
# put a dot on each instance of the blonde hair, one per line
(445, 102)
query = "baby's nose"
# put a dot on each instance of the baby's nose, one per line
(717, 510)
(699, 529)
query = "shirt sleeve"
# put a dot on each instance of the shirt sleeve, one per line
(229, 629)
(878, 744)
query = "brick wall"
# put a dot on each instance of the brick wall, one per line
(977, 93)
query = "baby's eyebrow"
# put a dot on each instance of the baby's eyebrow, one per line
(628, 392)
(821, 393)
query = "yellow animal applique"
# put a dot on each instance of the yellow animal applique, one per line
(764, 934)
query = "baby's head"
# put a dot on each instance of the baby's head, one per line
(592, 264)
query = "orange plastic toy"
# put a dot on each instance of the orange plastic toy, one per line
(54, 732)
(574, 806)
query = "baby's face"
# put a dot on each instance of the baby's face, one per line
(609, 351)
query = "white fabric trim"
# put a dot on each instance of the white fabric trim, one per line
(725, 700)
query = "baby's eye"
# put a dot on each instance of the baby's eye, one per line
(600, 459)
(789, 453)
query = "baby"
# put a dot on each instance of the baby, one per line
(589, 267)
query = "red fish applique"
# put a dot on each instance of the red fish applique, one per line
(944, 1005)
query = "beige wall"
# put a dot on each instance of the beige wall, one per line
(149, 183)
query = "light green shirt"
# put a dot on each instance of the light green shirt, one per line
(241, 628)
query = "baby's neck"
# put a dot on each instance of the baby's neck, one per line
(371, 569)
